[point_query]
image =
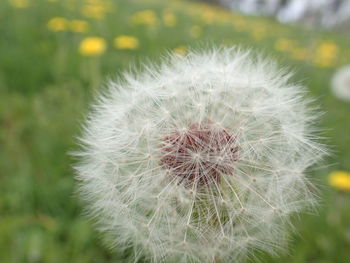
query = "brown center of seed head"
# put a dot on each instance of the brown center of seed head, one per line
(200, 153)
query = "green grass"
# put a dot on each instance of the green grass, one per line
(46, 87)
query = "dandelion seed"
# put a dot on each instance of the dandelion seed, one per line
(199, 159)
(181, 50)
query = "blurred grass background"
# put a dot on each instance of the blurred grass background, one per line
(49, 73)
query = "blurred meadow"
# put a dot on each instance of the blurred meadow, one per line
(56, 54)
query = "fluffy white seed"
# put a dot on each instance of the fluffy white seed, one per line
(199, 159)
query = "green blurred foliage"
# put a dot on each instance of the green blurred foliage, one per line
(46, 85)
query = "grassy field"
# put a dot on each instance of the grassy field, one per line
(48, 79)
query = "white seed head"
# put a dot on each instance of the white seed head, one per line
(199, 159)
(341, 84)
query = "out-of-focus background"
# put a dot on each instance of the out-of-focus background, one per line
(330, 14)
(56, 54)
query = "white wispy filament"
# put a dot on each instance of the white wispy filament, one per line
(199, 159)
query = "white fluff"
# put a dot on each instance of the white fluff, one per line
(341, 84)
(139, 204)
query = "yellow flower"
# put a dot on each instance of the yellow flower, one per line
(146, 17)
(284, 44)
(92, 46)
(97, 2)
(208, 16)
(326, 54)
(196, 31)
(57, 24)
(19, 3)
(79, 26)
(93, 2)
(126, 42)
(169, 19)
(94, 11)
(340, 180)
(327, 49)
(181, 50)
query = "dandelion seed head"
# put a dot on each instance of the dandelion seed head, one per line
(200, 158)
(341, 84)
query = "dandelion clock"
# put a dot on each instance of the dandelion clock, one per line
(198, 159)
(340, 84)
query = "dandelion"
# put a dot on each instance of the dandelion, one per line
(326, 54)
(126, 42)
(169, 19)
(208, 16)
(327, 49)
(79, 26)
(57, 24)
(97, 11)
(92, 46)
(340, 180)
(341, 84)
(19, 3)
(146, 17)
(199, 159)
